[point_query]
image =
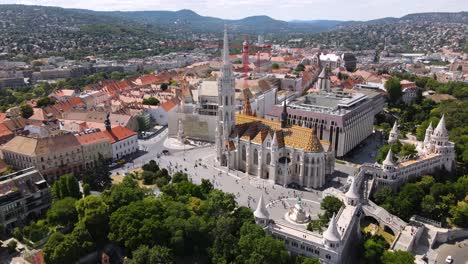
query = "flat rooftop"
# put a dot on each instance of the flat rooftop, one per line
(335, 102)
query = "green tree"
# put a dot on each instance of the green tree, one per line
(459, 214)
(300, 67)
(164, 86)
(139, 223)
(151, 101)
(123, 194)
(98, 177)
(45, 101)
(331, 205)
(393, 87)
(397, 257)
(26, 111)
(63, 212)
(428, 205)
(86, 189)
(383, 195)
(148, 177)
(12, 246)
(179, 177)
(66, 186)
(426, 182)
(154, 255)
(60, 249)
(257, 247)
(275, 66)
(373, 248)
(151, 166)
(305, 260)
(94, 214)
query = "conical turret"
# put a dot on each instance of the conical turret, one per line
(427, 137)
(394, 133)
(331, 235)
(441, 130)
(352, 195)
(261, 214)
(389, 159)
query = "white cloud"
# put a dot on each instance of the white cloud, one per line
(280, 9)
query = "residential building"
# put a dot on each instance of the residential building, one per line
(24, 195)
(53, 156)
(94, 143)
(124, 141)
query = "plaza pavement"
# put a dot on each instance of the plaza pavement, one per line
(199, 164)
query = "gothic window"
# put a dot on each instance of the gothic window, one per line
(255, 156)
(268, 160)
(227, 117)
(243, 153)
(226, 101)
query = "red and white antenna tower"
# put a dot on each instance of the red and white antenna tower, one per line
(245, 57)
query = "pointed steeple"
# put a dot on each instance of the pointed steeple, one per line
(429, 131)
(323, 73)
(352, 193)
(261, 211)
(395, 127)
(394, 133)
(284, 115)
(274, 141)
(441, 130)
(389, 159)
(226, 47)
(332, 234)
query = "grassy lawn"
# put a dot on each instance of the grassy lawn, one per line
(376, 230)
(116, 179)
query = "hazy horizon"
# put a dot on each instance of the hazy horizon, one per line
(283, 10)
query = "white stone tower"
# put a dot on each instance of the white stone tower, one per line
(441, 145)
(427, 139)
(352, 195)
(261, 214)
(388, 164)
(331, 236)
(226, 104)
(394, 133)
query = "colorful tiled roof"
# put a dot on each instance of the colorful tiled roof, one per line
(256, 129)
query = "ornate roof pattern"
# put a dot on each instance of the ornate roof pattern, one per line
(256, 129)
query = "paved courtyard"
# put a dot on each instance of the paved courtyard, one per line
(457, 249)
(198, 163)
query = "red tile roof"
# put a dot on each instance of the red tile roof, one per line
(4, 131)
(169, 104)
(118, 133)
(92, 138)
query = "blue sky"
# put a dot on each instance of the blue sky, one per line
(279, 9)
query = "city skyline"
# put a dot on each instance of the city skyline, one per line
(283, 10)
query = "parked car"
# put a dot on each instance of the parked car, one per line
(449, 259)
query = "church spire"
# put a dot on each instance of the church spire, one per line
(284, 115)
(226, 47)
